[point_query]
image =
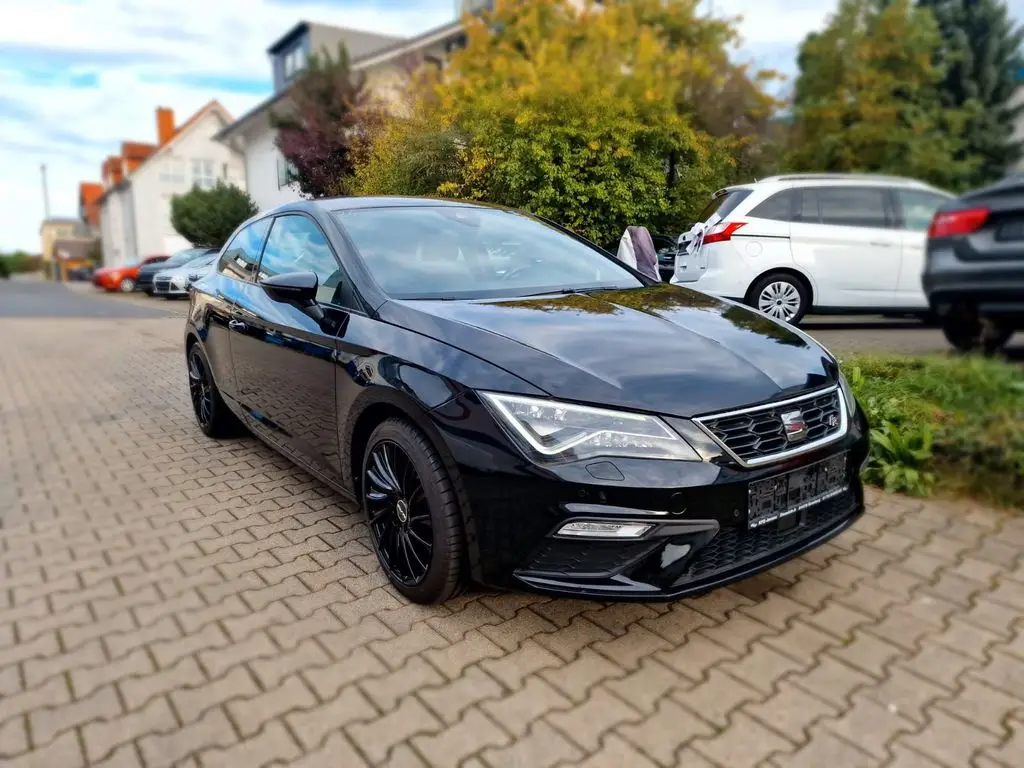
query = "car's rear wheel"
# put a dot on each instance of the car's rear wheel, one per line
(413, 513)
(127, 285)
(780, 296)
(967, 332)
(212, 414)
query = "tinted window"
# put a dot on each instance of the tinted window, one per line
(723, 205)
(184, 257)
(845, 206)
(918, 208)
(459, 252)
(296, 244)
(242, 254)
(778, 207)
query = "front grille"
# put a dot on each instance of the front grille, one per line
(759, 433)
(162, 285)
(585, 559)
(737, 546)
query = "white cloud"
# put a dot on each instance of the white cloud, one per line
(78, 78)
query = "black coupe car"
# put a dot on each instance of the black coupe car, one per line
(512, 406)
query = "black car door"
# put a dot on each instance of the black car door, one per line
(284, 359)
(235, 269)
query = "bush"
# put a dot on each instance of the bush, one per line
(207, 217)
(943, 424)
(19, 262)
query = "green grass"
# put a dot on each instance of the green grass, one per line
(945, 425)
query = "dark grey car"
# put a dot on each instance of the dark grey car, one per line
(974, 271)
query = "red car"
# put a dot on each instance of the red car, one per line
(122, 278)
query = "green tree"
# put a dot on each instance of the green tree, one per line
(867, 97)
(329, 108)
(585, 115)
(981, 49)
(207, 217)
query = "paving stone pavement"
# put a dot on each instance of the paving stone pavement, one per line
(170, 600)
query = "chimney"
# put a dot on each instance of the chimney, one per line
(164, 125)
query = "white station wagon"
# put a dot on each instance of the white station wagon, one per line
(842, 243)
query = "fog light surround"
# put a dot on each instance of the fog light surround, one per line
(604, 529)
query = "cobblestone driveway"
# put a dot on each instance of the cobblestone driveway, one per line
(168, 600)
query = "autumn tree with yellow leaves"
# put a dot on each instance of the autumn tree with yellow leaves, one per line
(595, 116)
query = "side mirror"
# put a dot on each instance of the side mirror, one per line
(298, 288)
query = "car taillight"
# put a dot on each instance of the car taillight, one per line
(952, 223)
(722, 232)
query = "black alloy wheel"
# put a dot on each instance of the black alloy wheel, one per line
(412, 513)
(212, 414)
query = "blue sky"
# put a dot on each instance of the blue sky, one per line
(77, 77)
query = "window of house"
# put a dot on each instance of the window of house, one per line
(172, 171)
(203, 173)
(296, 244)
(294, 62)
(242, 254)
(286, 172)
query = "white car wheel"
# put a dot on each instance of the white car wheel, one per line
(781, 297)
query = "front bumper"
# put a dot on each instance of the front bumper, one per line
(169, 289)
(700, 539)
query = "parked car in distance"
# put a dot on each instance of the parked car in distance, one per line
(122, 278)
(174, 282)
(666, 247)
(549, 421)
(144, 280)
(787, 245)
(974, 270)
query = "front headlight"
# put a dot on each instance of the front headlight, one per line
(549, 431)
(851, 401)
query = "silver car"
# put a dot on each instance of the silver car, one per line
(174, 282)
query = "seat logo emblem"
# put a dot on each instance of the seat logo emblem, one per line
(794, 426)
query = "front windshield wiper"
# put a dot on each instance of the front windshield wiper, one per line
(567, 291)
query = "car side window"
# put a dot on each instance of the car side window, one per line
(778, 207)
(850, 206)
(242, 254)
(297, 244)
(918, 206)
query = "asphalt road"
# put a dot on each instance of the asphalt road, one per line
(841, 334)
(41, 299)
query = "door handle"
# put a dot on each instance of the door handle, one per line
(882, 243)
(237, 325)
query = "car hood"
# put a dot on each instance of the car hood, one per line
(663, 348)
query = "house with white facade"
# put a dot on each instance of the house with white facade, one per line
(135, 207)
(383, 60)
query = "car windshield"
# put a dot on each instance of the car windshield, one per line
(183, 257)
(454, 252)
(202, 261)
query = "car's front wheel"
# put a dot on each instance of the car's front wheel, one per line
(127, 285)
(781, 296)
(413, 513)
(212, 414)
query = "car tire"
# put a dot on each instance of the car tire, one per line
(780, 296)
(213, 416)
(127, 285)
(966, 333)
(407, 493)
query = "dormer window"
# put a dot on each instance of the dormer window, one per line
(294, 62)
